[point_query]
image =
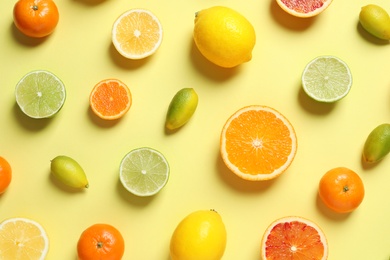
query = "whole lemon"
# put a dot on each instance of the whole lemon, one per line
(200, 235)
(376, 21)
(224, 36)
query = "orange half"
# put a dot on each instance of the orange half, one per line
(304, 8)
(110, 99)
(294, 238)
(137, 34)
(258, 143)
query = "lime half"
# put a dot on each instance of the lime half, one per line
(144, 171)
(40, 94)
(327, 79)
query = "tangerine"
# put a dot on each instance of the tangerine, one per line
(36, 18)
(101, 241)
(5, 174)
(341, 189)
(110, 99)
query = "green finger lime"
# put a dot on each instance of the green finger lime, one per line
(377, 144)
(375, 20)
(69, 172)
(181, 108)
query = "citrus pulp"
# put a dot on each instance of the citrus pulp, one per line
(40, 94)
(258, 143)
(327, 79)
(294, 238)
(144, 171)
(304, 8)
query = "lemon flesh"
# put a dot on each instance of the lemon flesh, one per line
(375, 20)
(377, 144)
(200, 235)
(224, 36)
(69, 172)
(40, 94)
(181, 108)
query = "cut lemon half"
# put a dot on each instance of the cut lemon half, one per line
(327, 79)
(40, 94)
(258, 143)
(22, 238)
(144, 171)
(137, 34)
(294, 238)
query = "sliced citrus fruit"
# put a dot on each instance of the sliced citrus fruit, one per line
(40, 94)
(304, 8)
(327, 79)
(258, 143)
(22, 238)
(137, 34)
(110, 99)
(144, 171)
(294, 238)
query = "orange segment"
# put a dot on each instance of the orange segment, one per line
(137, 34)
(110, 99)
(258, 143)
(294, 238)
(304, 8)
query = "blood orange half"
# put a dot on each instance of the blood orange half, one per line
(304, 8)
(294, 238)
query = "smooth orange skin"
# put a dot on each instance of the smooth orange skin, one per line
(100, 241)
(5, 175)
(332, 190)
(36, 18)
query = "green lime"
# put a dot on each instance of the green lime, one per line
(375, 20)
(40, 94)
(69, 172)
(327, 79)
(181, 108)
(377, 144)
(144, 171)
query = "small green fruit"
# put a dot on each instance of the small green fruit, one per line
(181, 108)
(69, 172)
(376, 21)
(377, 144)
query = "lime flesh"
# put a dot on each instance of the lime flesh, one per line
(327, 79)
(144, 171)
(40, 94)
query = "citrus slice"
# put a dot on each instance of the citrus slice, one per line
(40, 94)
(258, 143)
(294, 238)
(304, 8)
(144, 171)
(21, 239)
(110, 99)
(327, 79)
(137, 34)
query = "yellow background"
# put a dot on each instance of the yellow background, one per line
(329, 135)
